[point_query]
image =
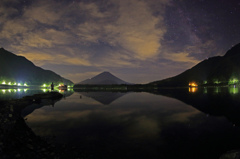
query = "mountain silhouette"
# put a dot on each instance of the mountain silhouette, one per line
(104, 98)
(18, 69)
(104, 78)
(215, 70)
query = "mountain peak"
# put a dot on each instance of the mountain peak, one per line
(233, 51)
(105, 73)
(2, 50)
(105, 78)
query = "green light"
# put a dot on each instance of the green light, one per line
(3, 91)
(217, 82)
(25, 84)
(44, 85)
(3, 82)
(9, 83)
(25, 90)
(15, 83)
(233, 81)
(19, 84)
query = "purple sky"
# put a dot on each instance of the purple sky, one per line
(137, 40)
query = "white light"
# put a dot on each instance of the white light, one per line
(19, 84)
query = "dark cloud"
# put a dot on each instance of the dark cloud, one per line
(142, 40)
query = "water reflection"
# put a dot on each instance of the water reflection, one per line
(6, 94)
(31, 108)
(45, 102)
(17, 93)
(103, 97)
(192, 89)
(218, 101)
(233, 90)
(144, 125)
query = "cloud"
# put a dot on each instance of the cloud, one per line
(124, 35)
(137, 29)
(13, 28)
(181, 57)
(36, 40)
(131, 26)
(89, 32)
(7, 12)
(44, 58)
(92, 9)
(78, 77)
(46, 12)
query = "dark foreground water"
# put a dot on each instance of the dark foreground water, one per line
(176, 123)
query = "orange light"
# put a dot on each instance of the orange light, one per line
(193, 84)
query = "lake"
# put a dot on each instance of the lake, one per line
(167, 123)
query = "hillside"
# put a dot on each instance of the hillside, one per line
(218, 70)
(104, 78)
(17, 69)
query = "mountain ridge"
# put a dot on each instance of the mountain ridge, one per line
(212, 71)
(21, 70)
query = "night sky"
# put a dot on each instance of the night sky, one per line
(137, 40)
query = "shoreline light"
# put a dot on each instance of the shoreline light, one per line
(193, 84)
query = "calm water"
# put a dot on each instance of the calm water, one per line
(178, 123)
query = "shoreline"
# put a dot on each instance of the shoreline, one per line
(17, 140)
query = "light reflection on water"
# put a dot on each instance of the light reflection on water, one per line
(6, 94)
(181, 123)
(17, 93)
(140, 125)
(231, 89)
